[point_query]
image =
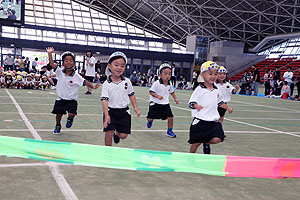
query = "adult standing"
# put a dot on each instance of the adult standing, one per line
(288, 76)
(267, 80)
(256, 80)
(34, 65)
(89, 69)
(17, 63)
(27, 64)
(292, 86)
(276, 76)
(173, 75)
(8, 62)
(298, 85)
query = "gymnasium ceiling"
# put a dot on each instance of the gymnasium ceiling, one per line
(248, 21)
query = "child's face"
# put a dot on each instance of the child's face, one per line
(68, 62)
(221, 76)
(165, 74)
(117, 67)
(210, 76)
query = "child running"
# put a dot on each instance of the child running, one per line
(117, 93)
(68, 84)
(159, 107)
(204, 102)
(227, 90)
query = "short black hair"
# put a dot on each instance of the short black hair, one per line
(89, 51)
(115, 58)
(67, 53)
(36, 59)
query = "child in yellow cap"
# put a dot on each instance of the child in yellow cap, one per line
(204, 103)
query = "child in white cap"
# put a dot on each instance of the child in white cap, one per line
(117, 93)
(159, 107)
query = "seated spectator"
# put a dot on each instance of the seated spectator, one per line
(12, 15)
(246, 88)
(134, 78)
(183, 84)
(143, 81)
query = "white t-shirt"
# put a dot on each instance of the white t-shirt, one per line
(288, 76)
(17, 61)
(117, 94)
(163, 90)
(90, 70)
(67, 86)
(226, 90)
(209, 99)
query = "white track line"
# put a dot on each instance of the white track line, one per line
(266, 119)
(269, 129)
(253, 104)
(259, 105)
(59, 178)
(268, 111)
(245, 123)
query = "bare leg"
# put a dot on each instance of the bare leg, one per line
(215, 140)
(71, 115)
(89, 89)
(149, 120)
(58, 118)
(170, 122)
(122, 135)
(194, 147)
(108, 138)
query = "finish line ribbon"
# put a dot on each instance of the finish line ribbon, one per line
(147, 160)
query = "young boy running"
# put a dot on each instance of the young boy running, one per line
(159, 107)
(204, 103)
(68, 84)
(117, 93)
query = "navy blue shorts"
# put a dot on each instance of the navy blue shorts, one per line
(120, 120)
(203, 131)
(159, 111)
(64, 106)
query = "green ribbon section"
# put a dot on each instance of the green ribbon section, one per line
(112, 157)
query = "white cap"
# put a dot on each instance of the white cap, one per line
(117, 54)
(163, 66)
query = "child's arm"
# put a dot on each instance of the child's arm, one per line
(175, 98)
(89, 84)
(50, 76)
(105, 111)
(155, 95)
(194, 105)
(225, 106)
(236, 89)
(90, 63)
(50, 50)
(134, 104)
